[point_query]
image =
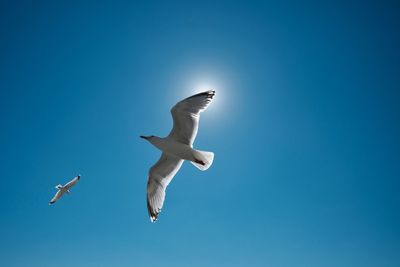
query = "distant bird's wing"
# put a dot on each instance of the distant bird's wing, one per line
(72, 182)
(56, 197)
(186, 115)
(160, 175)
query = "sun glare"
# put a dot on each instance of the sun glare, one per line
(187, 82)
(201, 84)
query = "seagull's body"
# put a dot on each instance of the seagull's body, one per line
(64, 189)
(176, 148)
(181, 151)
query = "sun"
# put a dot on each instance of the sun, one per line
(187, 82)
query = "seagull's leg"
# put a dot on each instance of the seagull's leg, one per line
(199, 162)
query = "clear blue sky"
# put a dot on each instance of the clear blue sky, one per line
(305, 129)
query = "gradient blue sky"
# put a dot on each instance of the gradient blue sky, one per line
(305, 128)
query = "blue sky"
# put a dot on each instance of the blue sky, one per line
(305, 129)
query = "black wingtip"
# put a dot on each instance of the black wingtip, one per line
(208, 94)
(211, 94)
(153, 214)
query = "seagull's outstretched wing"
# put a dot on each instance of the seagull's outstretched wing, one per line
(71, 183)
(56, 197)
(160, 175)
(186, 115)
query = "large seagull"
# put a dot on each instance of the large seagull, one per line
(64, 189)
(176, 147)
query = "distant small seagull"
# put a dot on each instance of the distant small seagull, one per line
(176, 147)
(64, 189)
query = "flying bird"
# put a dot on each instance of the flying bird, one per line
(176, 148)
(64, 189)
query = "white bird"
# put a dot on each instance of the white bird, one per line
(176, 147)
(64, 189)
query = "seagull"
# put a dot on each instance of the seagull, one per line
(64, 189)
(176, 148)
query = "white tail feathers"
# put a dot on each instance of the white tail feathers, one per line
(204, 159)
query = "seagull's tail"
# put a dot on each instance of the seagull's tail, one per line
(203, 159)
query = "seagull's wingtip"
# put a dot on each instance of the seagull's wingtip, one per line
(154, 217)
(211, 94)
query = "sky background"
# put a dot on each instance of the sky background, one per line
(304, 126)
